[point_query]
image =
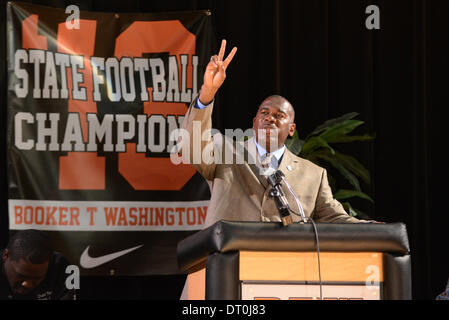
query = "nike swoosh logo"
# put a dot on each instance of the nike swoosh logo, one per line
(88, 262)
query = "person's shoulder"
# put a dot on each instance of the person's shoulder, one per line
(55, 281)
(58, 261)
(59, 257)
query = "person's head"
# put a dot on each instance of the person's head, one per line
(26, 260)
(274, 122)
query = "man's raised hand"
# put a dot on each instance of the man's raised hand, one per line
(215, 73)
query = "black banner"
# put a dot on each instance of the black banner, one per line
(92, 101)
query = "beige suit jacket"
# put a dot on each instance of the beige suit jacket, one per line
(237, 193)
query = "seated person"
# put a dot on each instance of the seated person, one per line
(30, 270)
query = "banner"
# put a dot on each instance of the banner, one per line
(92, 101)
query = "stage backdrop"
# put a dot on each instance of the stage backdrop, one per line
(91, 105)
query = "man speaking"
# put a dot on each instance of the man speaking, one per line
(243, 191)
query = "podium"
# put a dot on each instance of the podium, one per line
(259, 260)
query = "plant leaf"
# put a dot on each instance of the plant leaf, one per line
(340, 129)
(355, 212)
(345, 194)
(314, 143)
(345, 138)
(294, 144)
(332, 122)
(353, 165)
(348, 162)
(347, 206)
(336, 163)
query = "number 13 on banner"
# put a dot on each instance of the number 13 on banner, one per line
(87, 170)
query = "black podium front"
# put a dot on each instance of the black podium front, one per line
(258, 260)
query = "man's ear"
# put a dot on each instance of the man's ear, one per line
(291, 132)
(254, 120)
(5, 254)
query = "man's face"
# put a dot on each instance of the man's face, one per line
(22, 275)
(273, 123)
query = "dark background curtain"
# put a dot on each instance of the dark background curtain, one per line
(320, 56)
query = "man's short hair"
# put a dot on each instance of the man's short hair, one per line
(32, 245)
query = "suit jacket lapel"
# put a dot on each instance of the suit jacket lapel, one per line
(294, 172)
(253, 158)
(289, 164)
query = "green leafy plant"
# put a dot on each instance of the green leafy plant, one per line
(319, 147)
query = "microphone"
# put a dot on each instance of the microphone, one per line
(279, 198)
(298, 203)
(282, 204)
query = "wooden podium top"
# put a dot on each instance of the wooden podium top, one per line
(228, 236)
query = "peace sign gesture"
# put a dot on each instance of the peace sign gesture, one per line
(215, 73)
